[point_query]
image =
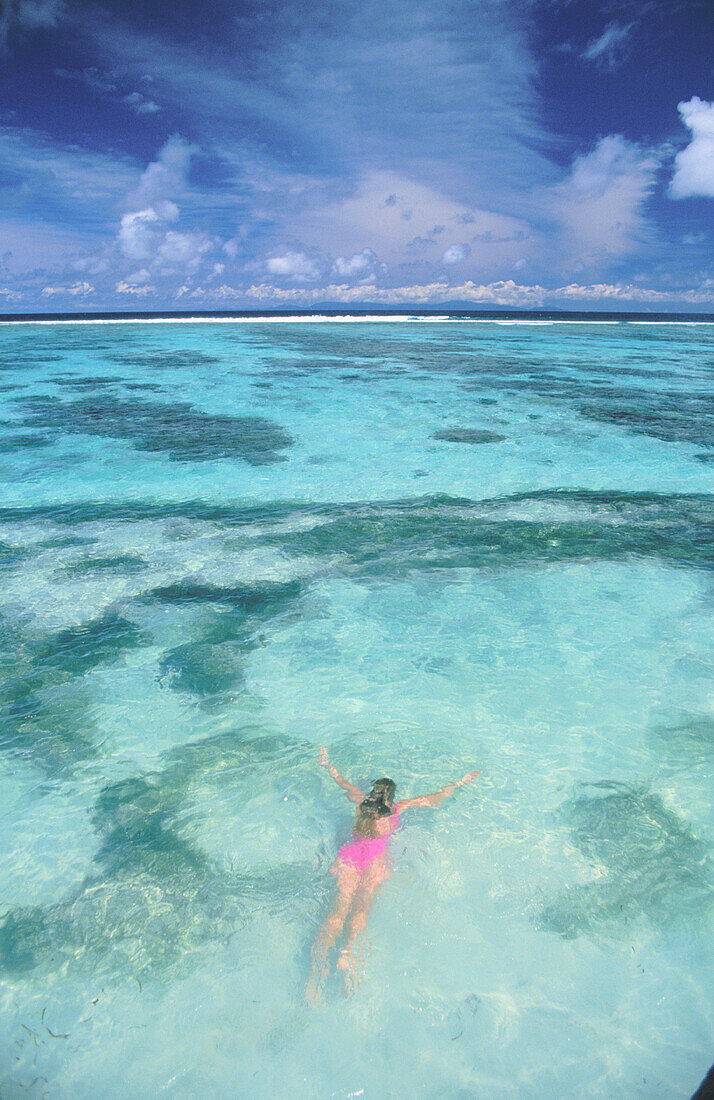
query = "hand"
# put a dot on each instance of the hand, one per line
(468, 778)
(322, 757)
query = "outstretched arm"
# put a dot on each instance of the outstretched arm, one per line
(354, 793)
(438, 796)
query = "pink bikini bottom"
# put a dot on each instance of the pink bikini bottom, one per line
(363, 852)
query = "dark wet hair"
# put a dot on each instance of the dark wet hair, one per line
(383, 790)
(379, 802)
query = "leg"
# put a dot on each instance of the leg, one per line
(348, 879)
(373, 877)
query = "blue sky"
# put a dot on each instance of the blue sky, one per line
(280, 153)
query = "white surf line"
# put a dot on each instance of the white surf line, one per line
(313, 319)
(188, 320)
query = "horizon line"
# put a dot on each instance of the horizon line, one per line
(364, 313)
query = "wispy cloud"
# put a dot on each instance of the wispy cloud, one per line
(53, 181)
(109, 85)
(28, 15)
(318, 88)
(610, 47)
(91, 76)
(381, 146)
(402, 219)
(599, 206)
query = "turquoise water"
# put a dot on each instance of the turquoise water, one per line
(428, 547)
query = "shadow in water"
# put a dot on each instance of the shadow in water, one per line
(157, 898)
(650, 863)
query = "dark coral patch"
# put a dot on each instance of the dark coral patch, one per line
(672, 417)
(687, 740)
(264, 601)
(53, 735)
(468, 435)
(72, 382)
(81, 648)
(177, 429)
(121, 564)
(11, 555)
(13, 360)
(25, 441)
(166, 360)
(56, 732)
(212, 665)
(203, 669)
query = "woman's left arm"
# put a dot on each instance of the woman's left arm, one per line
(354, 793)
(438, 796)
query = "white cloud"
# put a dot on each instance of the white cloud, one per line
(9, 294)
(501, 293)
(456, 253)
(140, 104)
(608, 48)
(123, 287)
(182, 250)
(142, 231)
(694, 166)
(215, 294)
(293, 265)
(147, 234)
(364, 266)
(599, 206)
(75, 290)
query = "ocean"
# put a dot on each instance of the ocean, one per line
(429, 544)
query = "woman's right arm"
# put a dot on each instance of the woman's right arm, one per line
(438, 796)
(354, 793)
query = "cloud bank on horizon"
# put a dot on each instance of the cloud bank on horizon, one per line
(261, 153)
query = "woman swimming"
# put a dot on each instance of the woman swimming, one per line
(362, 865)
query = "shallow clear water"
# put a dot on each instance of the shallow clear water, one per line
(428, 547)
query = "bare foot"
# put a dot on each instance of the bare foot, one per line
(314, 988)
(352, 971)
(318, 974)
